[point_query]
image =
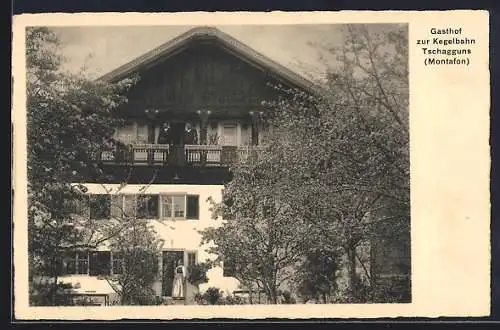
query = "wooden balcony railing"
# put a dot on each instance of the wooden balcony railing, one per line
(188, 155)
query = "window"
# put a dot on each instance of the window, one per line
(99, 263)
(147, 206)
(77, 263)
(133, 133)
(117, 263)
(193, 208)
(142, 133)
(100, 206)
(229, 135)
(126, 134)
(180, 207)
(191, 259)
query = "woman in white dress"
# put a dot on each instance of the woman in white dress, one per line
(178, 285)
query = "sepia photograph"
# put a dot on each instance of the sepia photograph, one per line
(176, 165)
(218, 165)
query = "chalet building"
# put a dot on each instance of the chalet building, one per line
(203, 78)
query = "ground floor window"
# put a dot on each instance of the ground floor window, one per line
(77, 263)
(93, 263)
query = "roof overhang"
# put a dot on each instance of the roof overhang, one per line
(232, 45)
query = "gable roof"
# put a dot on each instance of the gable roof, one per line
(238, 48)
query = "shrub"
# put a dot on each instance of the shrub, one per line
(212, 296)
(231, 300)
(197, 273)
(287, 297)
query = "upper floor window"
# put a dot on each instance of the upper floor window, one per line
(147, 206)
(229, 134)
(143, 206)
(180, 207)
(132, 133)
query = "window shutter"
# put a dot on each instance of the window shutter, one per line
(147, 206)
(191, 258)
(100, 263)
(193, 207)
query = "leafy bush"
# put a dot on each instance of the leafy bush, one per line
(210, 297)
(42, 294)
(287, 297)
(231, 300)
(197, 273)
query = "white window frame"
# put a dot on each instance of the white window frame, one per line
(171, 195)
(74, 258)
(174, 218)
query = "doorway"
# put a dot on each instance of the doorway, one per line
(169, 262)
(177, 155)
(177, 131)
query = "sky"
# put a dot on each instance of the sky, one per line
(103, 48)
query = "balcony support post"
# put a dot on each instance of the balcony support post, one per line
(152, 115)
(203, 133)
(203, 125)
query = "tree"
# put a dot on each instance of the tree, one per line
(317, 275)
(70, 119)
(261, 235)
(348, 143)
(336, 169)
(137, 249)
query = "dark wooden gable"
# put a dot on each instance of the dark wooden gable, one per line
(202, 76)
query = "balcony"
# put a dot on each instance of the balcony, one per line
(187, 155)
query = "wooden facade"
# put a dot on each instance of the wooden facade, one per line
(204, 78)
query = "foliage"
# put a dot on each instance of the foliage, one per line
(264, 237)
(197, 273)
(213, 139)
(69, 119)
(335, 171)
(317, 275)
(139, 247)
(42, 294)
(350, 143)
(287, 298)
(210, 297)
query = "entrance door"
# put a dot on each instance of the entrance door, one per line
(170, 259)
(177, 156)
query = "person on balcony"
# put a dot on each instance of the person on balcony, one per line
(164, 137)
(190, 135)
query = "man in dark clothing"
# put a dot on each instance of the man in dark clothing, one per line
(164, 137)
(190, 135)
